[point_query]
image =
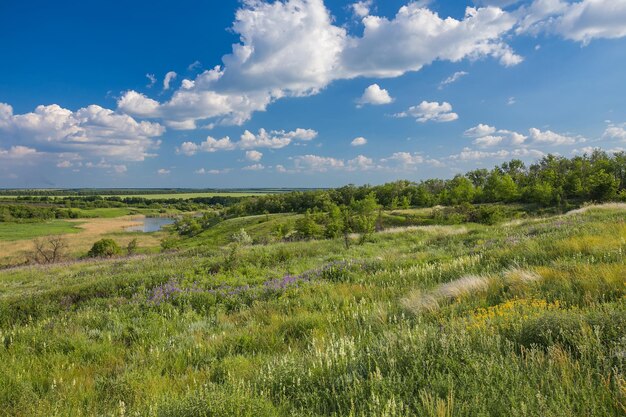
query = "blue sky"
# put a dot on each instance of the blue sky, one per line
(302, 93)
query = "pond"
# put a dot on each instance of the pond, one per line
(150, 224)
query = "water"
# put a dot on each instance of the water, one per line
(150, 224)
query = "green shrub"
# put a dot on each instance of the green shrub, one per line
(104, 248)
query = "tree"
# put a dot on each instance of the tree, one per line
(49, 250)
(104, 248)
(501, 187)
(334, 223)
(307, 228)
(602, 186)
(461, 190)
(365, 212)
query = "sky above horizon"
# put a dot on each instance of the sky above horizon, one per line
(302, 93)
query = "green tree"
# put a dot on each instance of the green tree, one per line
(602, 186)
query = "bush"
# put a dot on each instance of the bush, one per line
(241, 237)
(104, 248)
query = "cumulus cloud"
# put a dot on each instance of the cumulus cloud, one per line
(468, 154)
(615, 132)
(479, 131)
(360, 141)
(293, 48)
(18, 152)
(581, 21)
(374, 95)
(430, 111)
(275, 139)
(255, 167)
(203, 171)
(317, 163)
(360, 163)
(549, 137)
(169, 77)
(452, 79)
(92, 131)
(361, 8)
(163, 171)
(254, 156)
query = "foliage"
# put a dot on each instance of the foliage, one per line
(104, 248)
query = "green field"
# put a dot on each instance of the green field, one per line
(524, 318)
(19, 231)
(173, 195)
(184, 196)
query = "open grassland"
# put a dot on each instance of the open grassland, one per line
(20, 231)
(522, 319)
(80, 235)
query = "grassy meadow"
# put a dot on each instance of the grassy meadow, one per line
(20, 231)
(522, 318)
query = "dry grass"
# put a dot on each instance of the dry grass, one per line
(15, 253)
(436, 229)
(419, 301)
(606, 206)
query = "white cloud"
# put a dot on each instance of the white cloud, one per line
(203, 171)
(65, 164)
(152, 79)
(488, 136)
(18, 152)
(275, 139)
(479, 131)
(452, 79)
(91, 131)
(317, 163)
(360, 141)
(163, 171)
(292, 48)
(374, 95)
(120, 169)
(194, 66)
(255, 167)
(213, 145)
(549, 137)
(408, 161)
(615, 132)
(360, 163)
(431, 111)
(280, 168)
(488, 140)
(254, 156)
(169, 77)
(361, 8)
(581, 21)
(468, 154)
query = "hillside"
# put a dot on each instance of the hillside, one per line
(523, 318)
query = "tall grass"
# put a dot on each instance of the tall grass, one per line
(521, 320)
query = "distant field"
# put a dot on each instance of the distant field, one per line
(181, 196)
(19, 231)
(184, 196)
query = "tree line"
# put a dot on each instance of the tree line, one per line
(553, 181)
